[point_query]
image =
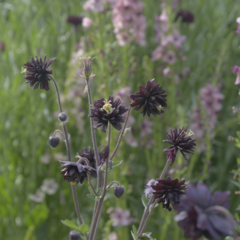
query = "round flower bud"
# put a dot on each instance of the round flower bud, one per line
(118, 191)
(74, 235)
(62, 117)
(53, 141)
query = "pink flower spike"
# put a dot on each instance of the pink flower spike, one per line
(238, 20)
(238, 29)
(238, 79)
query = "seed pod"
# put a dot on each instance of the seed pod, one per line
(62, 117)
(54, 141)
(118, 191)
(74, 235)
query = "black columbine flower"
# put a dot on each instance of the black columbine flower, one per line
(196, 215)
(37, 72)
(75, 20)
(180, 140)
(108, 111)
(186, 16)
(76, 172)
(89, 155)
(103, 156)
(168, 191)
(152, 98)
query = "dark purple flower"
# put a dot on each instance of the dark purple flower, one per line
(76, 172)
(108, 111)
(75, 20)
(168, 191)
(180, 140)
(118, 191)
(74, 235)
(152, 98)
(186, 16)
(196, 215)
(37, 72)
(89, 155)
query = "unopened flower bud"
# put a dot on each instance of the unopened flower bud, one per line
(118, 191)
(87, 71)
(53, 141)
(127, 131)
(62, 117)
(74, 235)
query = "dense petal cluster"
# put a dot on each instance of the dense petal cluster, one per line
(168, 191)
(37, 72)
(76, 172)
(93, 6)
(108, 111)
(211, 99)
(180, 140)
(129, 22)
(196, 215)
(152, 98)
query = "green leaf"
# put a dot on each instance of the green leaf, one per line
(70, 224)
(144, 200)
(134, 233)
(235, 183)
(116, 163)
(84, 228)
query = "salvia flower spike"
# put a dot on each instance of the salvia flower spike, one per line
(37, 72)
(151, 98)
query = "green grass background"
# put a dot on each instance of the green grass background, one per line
(38, 27)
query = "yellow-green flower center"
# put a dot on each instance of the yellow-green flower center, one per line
(107, 107)
(159, 108)
(190, 133)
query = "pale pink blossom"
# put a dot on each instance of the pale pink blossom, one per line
(236, 70)
(129, 22)
(169, 57)
(93, 6)
(120, 217)
(166, 71)
(87, 22)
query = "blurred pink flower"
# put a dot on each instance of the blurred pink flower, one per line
(236, 70)
(177, 39)
(169, 57)
(87, 22)
(129, 22)
(120, 217)
(93, 6)
(238, 28)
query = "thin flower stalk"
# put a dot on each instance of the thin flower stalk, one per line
(68, 152)
(143, 220)
(95, 220)
(121, 134)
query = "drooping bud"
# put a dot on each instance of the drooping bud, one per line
(62, 117)
(74, 235)
(118, 191)
(54, 141)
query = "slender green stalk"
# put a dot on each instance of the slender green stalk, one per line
(68, 152)
(142, 223)
(96, 219)
(121, 134)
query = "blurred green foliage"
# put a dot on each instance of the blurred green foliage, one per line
(38, 27)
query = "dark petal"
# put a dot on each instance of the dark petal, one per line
(49, 62)
(93, 173)
(117, 125)
(202, 221)
(221, 198)
(104, 127)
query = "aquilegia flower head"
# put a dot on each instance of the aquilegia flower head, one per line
(37, 72)
(195, 216)
(76, 172)
(108, 111)
(168, 191)
(180, 140)
(152, 98)
(89, 155)
(236, 70)
(75, 20)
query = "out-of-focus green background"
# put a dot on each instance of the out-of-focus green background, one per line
(28, 117)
